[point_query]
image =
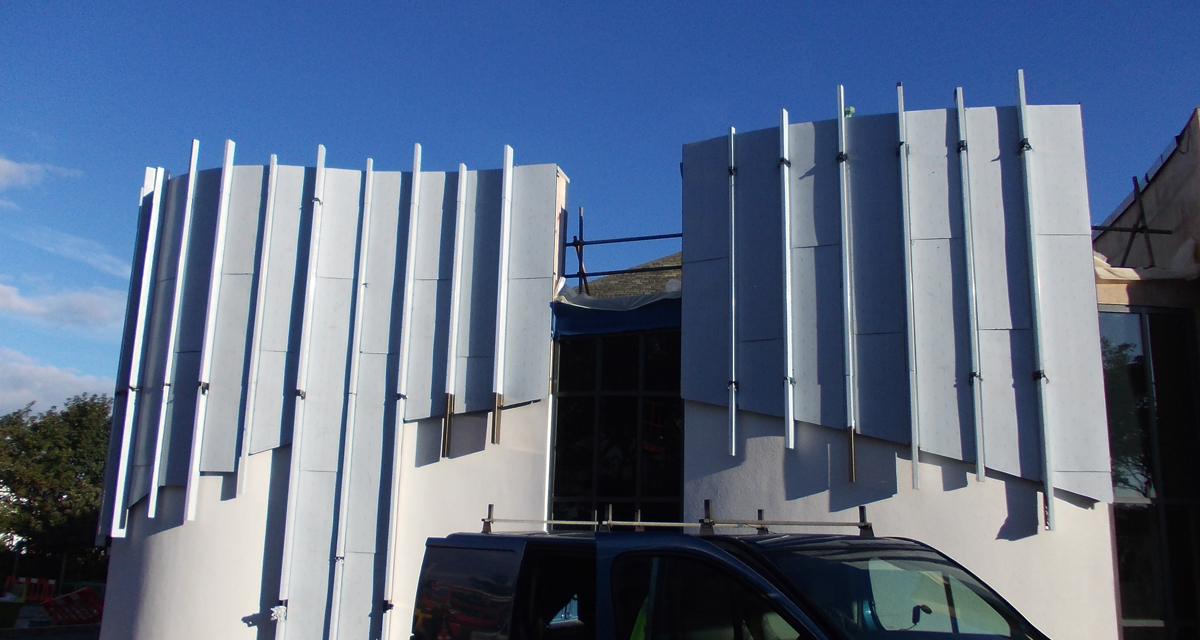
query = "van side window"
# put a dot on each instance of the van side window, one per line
(557, 596)
(678, 598)
(464, 594)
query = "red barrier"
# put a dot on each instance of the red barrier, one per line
(30, 589)
(77, 607)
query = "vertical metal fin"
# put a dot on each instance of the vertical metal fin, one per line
(976, 376)
(910, 300)
(1026, 151)
(785, 200)
(259, 314)
(346, 467)
(210, 329)
(849, 327)
(502, 294)
(160, 181)
(306, 331)
(456, 276)
(155, 182)
(733, 334)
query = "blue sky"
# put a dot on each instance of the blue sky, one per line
(91, 93)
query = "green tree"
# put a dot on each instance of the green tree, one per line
(52, 475)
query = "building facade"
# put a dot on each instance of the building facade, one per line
(323, 367)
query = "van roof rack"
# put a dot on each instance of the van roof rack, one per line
(706, 525)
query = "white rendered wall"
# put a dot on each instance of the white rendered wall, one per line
(168, 581)
(1061, 580)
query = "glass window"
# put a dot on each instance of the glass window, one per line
(678, 598)
(1151, 394)
(618, 427)
(881, 588)
(558, 596)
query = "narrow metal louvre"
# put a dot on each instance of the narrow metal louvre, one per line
(941, 199)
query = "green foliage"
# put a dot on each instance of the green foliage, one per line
(52, 475)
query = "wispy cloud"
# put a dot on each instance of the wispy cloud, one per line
(15, 175)
(70, 246)
(23, 380)
(8, 204)
(97, 308)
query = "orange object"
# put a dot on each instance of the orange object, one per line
(30, 589)
(77, 607)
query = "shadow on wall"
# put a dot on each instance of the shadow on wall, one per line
(821, 464)
(468, 434)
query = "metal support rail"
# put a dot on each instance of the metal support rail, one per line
(705, 524)
(578, 243)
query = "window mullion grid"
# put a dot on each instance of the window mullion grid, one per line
(1160, 511)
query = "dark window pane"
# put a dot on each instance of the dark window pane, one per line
(558, 596)
(661, 354)
(1145, 633)
(1128, 403)
(573, 446)
(465, 594)
(1173, 357)
(662, 447)
(617, 447)
(570, 510)
(697, 601)
(630, 590)
(1180, 538)
(1139, 561)
(662, 512)
(620, 363)
(577, 364)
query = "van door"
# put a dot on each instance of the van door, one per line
(676, 587)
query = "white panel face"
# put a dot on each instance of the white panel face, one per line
(431, 296)
(706, 200)
(194, 293)
(327, 373)
(229, 359)
(532, 253)
(814, 188)
(367, 456)
(246, 200)
(477, 303)
(385, 263)
(427, 362)
(998, 217)
(760, 259)
(270, 400)
(704, 360)
(357, 608)
(883, 410)
(934, 181)
(527, 356)
(532, 258)
(1010, 421)
(819, 352)
(309, 580)
(341, 204)
(281, 288)
(1059, 182)
(943, 349)
(760, 376)
(1071, 357)
(878, 227)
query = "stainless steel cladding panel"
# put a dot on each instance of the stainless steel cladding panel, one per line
(477, 302)
(431, 296)
(281, 287)
(532, 259)
(231, 340)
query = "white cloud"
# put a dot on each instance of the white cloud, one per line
(27, 174)
(8, 204)
(96, 308)
(70, 246)
(22, 380)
